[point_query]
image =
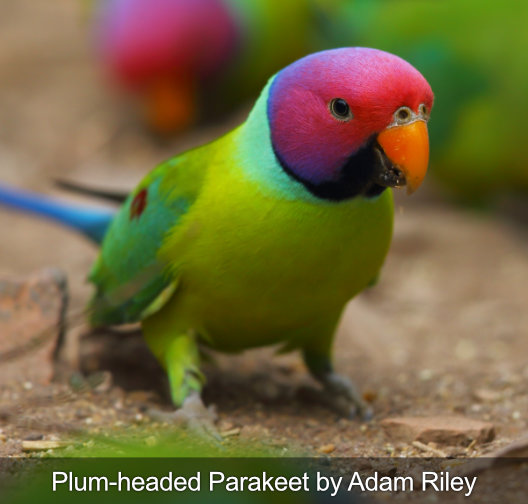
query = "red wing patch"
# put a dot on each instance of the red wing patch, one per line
(139, 203)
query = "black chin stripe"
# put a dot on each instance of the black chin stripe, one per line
(355, 179)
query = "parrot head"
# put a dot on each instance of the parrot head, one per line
(351, 121)
(162, 50)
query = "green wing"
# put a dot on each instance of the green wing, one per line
(131, 282)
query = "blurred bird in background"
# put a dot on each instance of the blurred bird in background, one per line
(186, 60)
(467, 51)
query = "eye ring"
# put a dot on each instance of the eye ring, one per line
(423, 110)
(340, 109)
(403, 115)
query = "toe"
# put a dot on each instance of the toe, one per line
(192, 415)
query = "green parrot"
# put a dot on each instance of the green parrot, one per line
(262, 236)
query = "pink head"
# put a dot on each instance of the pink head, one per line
(331, 115)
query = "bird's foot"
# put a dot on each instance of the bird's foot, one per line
(344, 396)
(193, 415)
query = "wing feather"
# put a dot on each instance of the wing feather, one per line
(131, 280)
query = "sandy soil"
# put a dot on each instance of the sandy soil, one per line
(444, 332)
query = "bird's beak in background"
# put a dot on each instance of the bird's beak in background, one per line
(169, 104)
(407, 147)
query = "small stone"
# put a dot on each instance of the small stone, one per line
(3, 438)
(370, 396)
(487, 395)
(425, 374)
(465, 350)
(327, 448)
(36, 446)
(442, 430)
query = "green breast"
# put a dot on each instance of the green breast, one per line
(260, 269)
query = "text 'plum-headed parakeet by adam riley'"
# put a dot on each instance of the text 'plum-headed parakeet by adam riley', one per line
(262, 236)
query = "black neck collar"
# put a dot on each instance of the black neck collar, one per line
(356, 177)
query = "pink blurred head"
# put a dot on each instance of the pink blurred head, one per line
(142, 40)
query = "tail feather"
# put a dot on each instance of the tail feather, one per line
(113, 196)
(92, 222)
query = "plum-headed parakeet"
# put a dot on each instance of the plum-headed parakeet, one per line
(262, 236)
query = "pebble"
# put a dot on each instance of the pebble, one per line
(425, 374)
(327, 448)
(465, 350)
(442, 430)
(370, 396)
(487, 395)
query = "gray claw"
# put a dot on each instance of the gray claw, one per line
(193, 415)
(345, 393)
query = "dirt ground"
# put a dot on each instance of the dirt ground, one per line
(444, 332)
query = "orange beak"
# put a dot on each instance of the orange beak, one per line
(407, 147)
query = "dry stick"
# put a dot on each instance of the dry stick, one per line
(426, 448)
(38, 340)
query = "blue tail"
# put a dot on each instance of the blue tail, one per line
(92, 222)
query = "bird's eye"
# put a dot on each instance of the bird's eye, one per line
(423, 111)
(403, 115)
(340, 109)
